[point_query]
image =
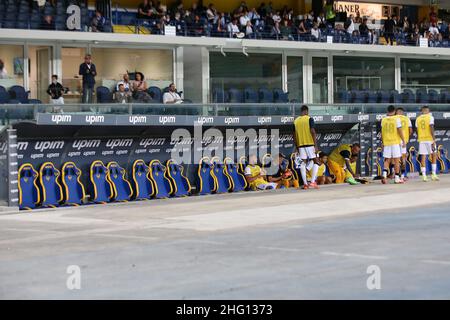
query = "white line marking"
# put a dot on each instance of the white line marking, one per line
(446, 263)
(279, 249)
(353, 255)
(125, 236)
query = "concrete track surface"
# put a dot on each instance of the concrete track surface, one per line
(284, 244)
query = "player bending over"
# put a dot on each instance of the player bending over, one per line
(339, 163)
(427, 142)
(393, 142)
(306, 142)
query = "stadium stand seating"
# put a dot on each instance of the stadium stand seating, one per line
(74, 192)
(238, 181)
(52, 192)
(163, 188)
(120, 185)
(223, 181)
(143, 185)
(207, 181)
(19, 93)
(103, 190)
(155, 93)
(180, 184)
(29, 193)
(104, 95)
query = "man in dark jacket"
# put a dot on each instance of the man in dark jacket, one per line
(56, 91)
(389, 28)
(88, 72)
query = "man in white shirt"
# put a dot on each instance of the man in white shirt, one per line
(243, 20)
(125, 82)
(172, 97)
(433, 30)
(233, 28)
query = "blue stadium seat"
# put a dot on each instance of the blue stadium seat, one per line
(29, 194)
(279, 96)
(395, 97)
(103, 190)
(180, 183)
(19, 93)
(443, 160)
(121, 186)
(265, 95)
(238, 181)
(52, 192)
(104, 95)
(413, 163)
(360, 96)
(223, 181)
(163, 188)
(445, 96)
(143, 185)
(408, 96)
(74, 190)
(4, 96)
(433, 96)
(155, 93)
(250, 95)
(207, 183)
(342, 96)
(373, 97)
(422, 96)
(220, 96)
(235, 96)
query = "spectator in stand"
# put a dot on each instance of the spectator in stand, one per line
(145, 10)
(364, 29)
(330, 15)
(276, 17)
(315, 32)
(98, 22)
(389, 26)
(249, 32)
(172, 96)
(276, 31)
(286, 31)
(197, 27)
(302, 31)
(254, 17)
(125, 82)
(405, 25)
(196, 10)
(140, 93)
(48, 23)
(55, 91)
(88, 72)
(358, 18)
(321, 21)
(221, 25)
(3, 72)
(122, 96)
(179, 24)
(433, 16)
(233, 29)
(211, 14)
(244, 19)
(433, 30)
(350, 25)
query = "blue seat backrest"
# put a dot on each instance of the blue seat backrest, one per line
(238, 180)
(223, 182)
(163, 189)
(143, 186)
(121, 186)
(29, 194)
(220, 96)
(103, 191)
(104, 95)
(18, 93)
(74, 189)
(155, 93)
(279, 96)
(4, 96)
(206, 178)
(180, 183)
(235, 96)
(250, 95)
(52, 194)
(265, 95)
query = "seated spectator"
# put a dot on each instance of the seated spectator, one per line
(125, 82)
(55, 91)
(254, 17)
(197, 27)
(276, 31)
(249, 32)
(179, 24)
(255, 176)
(276, 17)
(211, 14)
(286, 31)
(172, 96)
(98, 22)
(315, 32)
(48, 23)
(433, 30)
(364, 29)
(284, 178)
(302, 32)
(350, 25)
(244, 19)
(233, 29)
(122, 96)
(145, 10)
(321, 177)
(140, 93)
(221, 25)
(3, 72)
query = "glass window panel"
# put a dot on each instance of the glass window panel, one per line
(363, 74)
(295, 78)
(236, 71)
(320, 79)
(425, 73)
(13, 68)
